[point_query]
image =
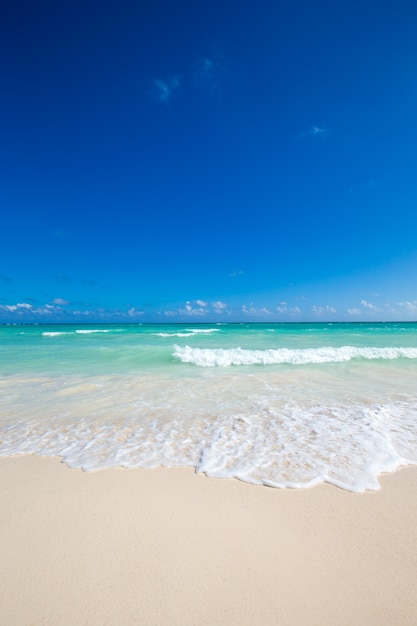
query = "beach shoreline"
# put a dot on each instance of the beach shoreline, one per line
(168, 546)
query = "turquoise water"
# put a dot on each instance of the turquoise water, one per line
(286, 405)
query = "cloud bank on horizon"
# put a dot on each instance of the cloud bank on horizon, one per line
(62, 311)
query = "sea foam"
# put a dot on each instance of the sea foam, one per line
(91, 331)
(210, 357)
(242, 430)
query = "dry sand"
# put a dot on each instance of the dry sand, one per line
(167, 547)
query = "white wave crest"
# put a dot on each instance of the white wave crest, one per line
(206, 331)
(191, 332)
(207, 357)
(172, 334)
(78, 332)
(88, 332)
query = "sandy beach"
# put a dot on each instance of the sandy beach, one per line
(167, 546)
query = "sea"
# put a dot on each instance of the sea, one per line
(281, 405)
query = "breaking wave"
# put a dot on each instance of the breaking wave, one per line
(220, 357)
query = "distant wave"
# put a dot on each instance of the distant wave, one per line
(190, 332)
(88, 332)
(197, 331)
(78, 332)
(208, 357)
(172, 334)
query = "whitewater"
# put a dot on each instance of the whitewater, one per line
(283, 405)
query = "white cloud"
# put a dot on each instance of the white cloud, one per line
(24, 307)
(60, 301)
(237, 273)
(252, 310)
(19, 307)
(410, 307)
(132, 312)
(25, 311)
(369, 305)
(189, 310)
(196, 308)
(291, 310)
(164, 90)
(219, 307)
(320, 310)
(353, 311)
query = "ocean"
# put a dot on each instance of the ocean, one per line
(282, 405)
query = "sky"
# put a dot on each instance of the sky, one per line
(208, 161)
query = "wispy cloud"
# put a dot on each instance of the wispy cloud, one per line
(409, 306)
(189, 310)
(57, 312)
(218, 306)
(313, 131)
(255, 311)
(165, 89)
(369, 305)
(353, 311)
(206, 72)
(20, 306)
(61, 278)
(237, 273)
(198, 308)
(317, 131)
(60, 301)
(283, 309)
(203, 75)
(132, 312)
(320, 310)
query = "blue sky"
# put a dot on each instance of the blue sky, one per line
(204, 161)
